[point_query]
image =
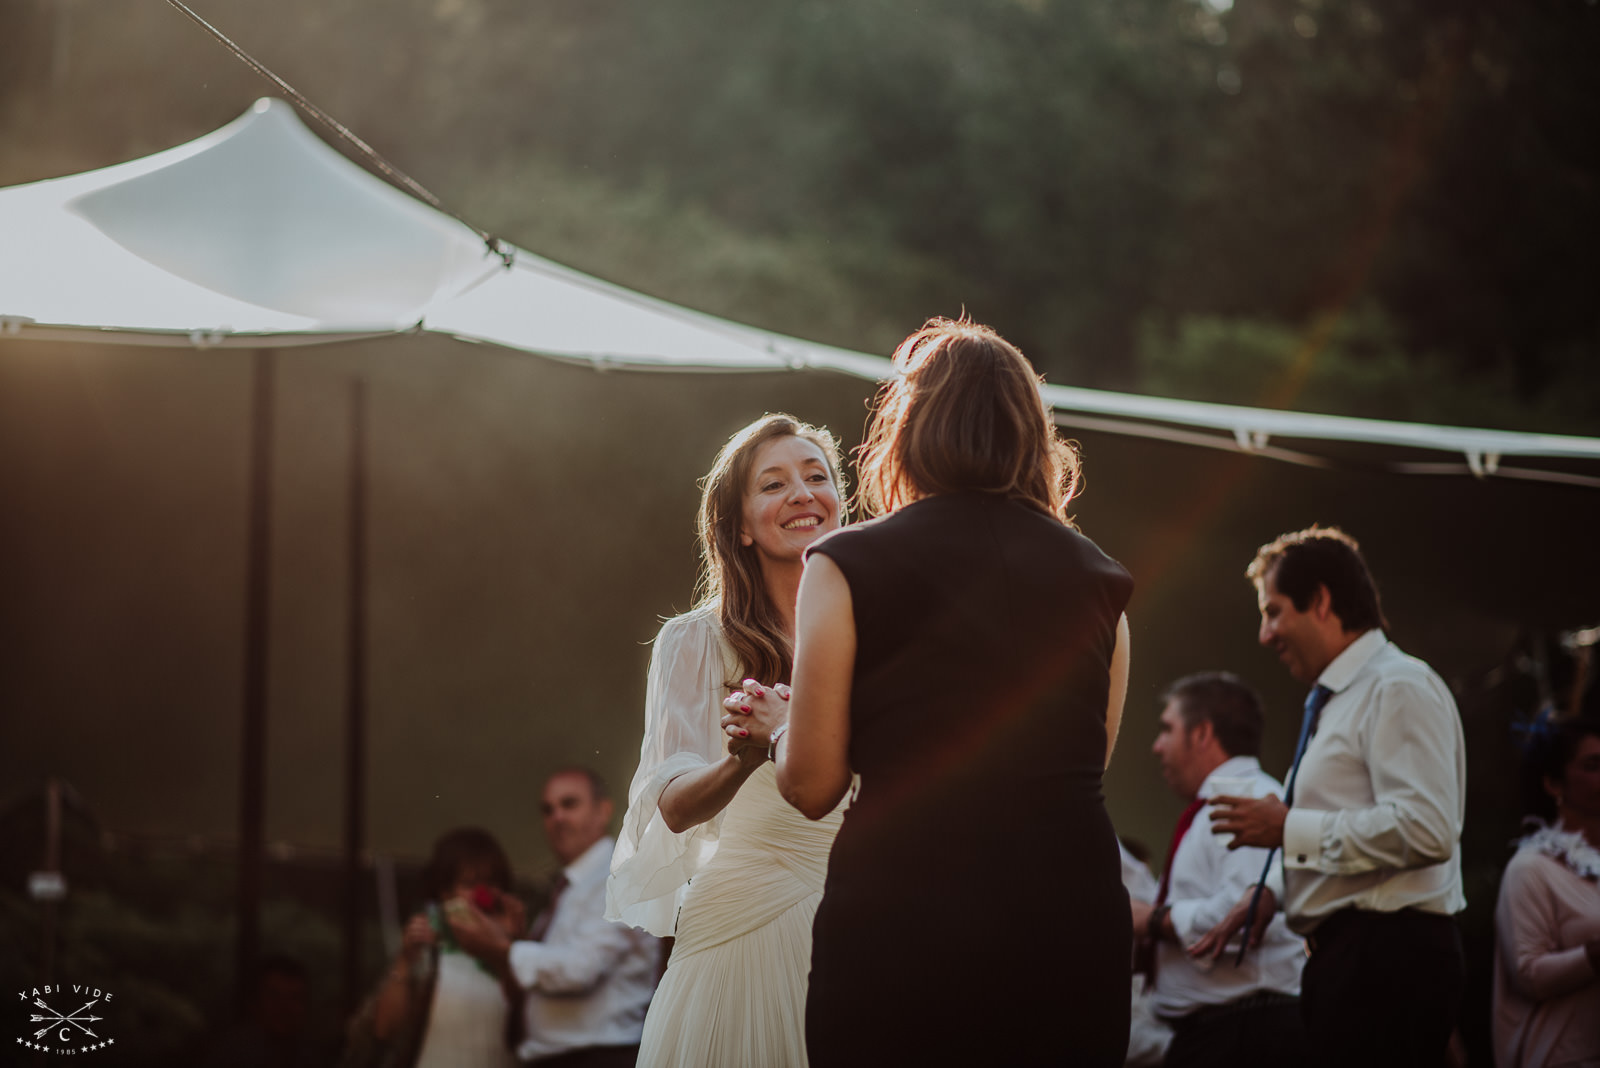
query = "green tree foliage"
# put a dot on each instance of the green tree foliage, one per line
(1433, 158)
(1066, 169)
(1354, 364)
(1027, 150)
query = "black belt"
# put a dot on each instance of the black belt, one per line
(1349, 920)
(1261, 999)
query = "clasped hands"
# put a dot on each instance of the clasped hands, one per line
(753, 712)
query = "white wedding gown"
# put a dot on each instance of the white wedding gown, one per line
(738, 892)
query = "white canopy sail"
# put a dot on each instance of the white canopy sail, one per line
(260, 234)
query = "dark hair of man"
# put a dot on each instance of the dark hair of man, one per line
(1225, 701)
(598, 791)
(1322, 556)
(459, 849)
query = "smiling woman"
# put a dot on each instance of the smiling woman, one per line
(790, 499)
(734, 993)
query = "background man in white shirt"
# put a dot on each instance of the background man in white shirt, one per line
(1221, 1013)
(1371, 834)
(585, 982)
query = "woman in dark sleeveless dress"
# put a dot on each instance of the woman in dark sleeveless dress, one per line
(966, 654)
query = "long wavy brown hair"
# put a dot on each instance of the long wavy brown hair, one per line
(730, 573)
(963, 413)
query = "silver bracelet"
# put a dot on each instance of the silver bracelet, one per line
(772, 741)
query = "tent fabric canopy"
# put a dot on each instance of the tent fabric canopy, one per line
(257, 229)
(542, 307)
(261, 235)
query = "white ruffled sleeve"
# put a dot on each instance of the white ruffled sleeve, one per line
(652, 865)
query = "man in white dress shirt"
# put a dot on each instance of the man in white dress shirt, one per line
(1222, 1013)
(1371, 833)
(585, 982)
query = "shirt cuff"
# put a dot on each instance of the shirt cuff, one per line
(524, 961)
(1182, 915)
(1302, 838)
(1275, 882)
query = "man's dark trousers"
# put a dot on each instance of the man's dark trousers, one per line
(1382, 988)
(1257, 1031)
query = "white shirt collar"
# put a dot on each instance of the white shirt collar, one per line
(594, 863)
(1348, 664)
(1239, 765)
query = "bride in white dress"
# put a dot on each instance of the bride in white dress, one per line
(709, 852)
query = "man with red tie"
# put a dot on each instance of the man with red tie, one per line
(1371, 825)
(1208, 742)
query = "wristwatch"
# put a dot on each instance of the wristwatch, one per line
(1156, 925)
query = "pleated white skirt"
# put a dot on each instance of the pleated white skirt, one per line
(734, 994)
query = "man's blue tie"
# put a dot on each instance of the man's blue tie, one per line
(1308, 726)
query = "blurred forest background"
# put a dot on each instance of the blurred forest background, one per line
(1384, 208)
(1148, 194)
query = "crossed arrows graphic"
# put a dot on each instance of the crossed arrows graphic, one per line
(56, 1018)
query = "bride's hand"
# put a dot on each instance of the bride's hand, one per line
(753, 713)
(747, 753)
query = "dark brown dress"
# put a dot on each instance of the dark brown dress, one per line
(974, 911)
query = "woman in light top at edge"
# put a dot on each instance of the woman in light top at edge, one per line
(1547, 921)
(734, 992)
(966, 655)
